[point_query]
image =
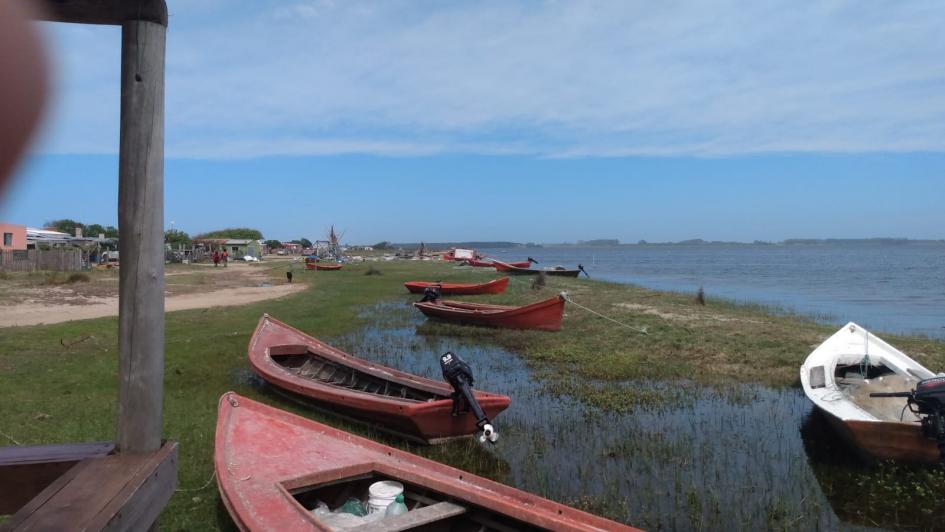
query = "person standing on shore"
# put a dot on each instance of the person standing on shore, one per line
(216, 259)
(225, 258)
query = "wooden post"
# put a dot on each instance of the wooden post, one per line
(141, 244)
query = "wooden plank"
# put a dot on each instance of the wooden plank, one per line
(112, 12)
(116, 493)
(414, 518)
(27, 471)
(29, 454)
(153, 487)
(141, 223)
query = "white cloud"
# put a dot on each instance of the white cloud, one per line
(552, 79)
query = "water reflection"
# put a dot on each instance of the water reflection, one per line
(889, 495)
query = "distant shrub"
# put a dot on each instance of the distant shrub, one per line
(58, 278)
(373, 271)
(700, 296)
(78, 278)
(540, 280)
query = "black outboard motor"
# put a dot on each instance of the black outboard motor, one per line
(928, 401)
(459, 375)
(581, 267)
(430, 293)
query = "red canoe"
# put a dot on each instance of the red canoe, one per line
(327, 378)
(490, 263)
(495, 286)
(310, 265)
(543, 315)
(272, 466)
(327, 267)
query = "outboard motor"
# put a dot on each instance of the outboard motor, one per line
(581, 267)
(430, 293)
(458, 373)
(927, 401)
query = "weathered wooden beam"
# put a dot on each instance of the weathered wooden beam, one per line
(141, 246)
(113, 12)
(124, 492)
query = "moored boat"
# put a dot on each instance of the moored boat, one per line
(556, 271)
(543, 315)
(490, 263)
(328, 267)
(329, 379)
(839, 377)
(495, 286)
(273, 467)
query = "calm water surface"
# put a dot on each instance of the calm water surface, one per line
(737, 457)
(898, 288)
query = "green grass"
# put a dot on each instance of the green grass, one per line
(55, 394)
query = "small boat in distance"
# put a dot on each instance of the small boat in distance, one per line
(327, 267)
(272, 468)
(490, 263)
(556, 271)
(329, 379)
(841, 375)
(544, 315)
(495, 286)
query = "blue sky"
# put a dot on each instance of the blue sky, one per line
(526, 121)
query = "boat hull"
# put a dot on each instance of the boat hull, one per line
(496, 286)
(840, 377)
(514, 270)
(265, 457)
(885, 440)
(491, 264)
(544, 315)
(327, 267)
(424, 421)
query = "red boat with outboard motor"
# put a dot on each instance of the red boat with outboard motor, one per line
(559, 271)
(327, 378)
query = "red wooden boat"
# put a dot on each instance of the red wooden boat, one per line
(310, 265)
(272, 466)
(491, 263)
(495, 286)
(328, 267)
(557, 271)
(543, 315)
(327, 378)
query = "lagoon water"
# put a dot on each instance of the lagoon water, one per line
(889, 287)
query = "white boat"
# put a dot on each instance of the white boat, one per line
(839, 377)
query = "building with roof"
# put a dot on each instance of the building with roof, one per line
(14, 237)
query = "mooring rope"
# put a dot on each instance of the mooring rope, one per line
(201, 487)
(608, 318)
(7, 436)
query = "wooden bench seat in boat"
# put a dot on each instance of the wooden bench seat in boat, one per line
(114, 492)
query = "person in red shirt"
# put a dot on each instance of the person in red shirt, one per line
(225, 258)
(216, 259)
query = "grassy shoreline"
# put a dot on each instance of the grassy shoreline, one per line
(58, 391)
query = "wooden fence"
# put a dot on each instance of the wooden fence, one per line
(63, 260)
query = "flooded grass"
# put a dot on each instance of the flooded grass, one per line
(678, 455)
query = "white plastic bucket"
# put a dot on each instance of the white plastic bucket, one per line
(381, 494)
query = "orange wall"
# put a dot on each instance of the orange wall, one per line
(19, 236)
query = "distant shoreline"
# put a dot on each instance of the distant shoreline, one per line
(612, 243)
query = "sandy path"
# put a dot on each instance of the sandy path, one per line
(36, 314)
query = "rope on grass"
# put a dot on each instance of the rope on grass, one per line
(608, 318)
(7, 436)
(201, 487)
